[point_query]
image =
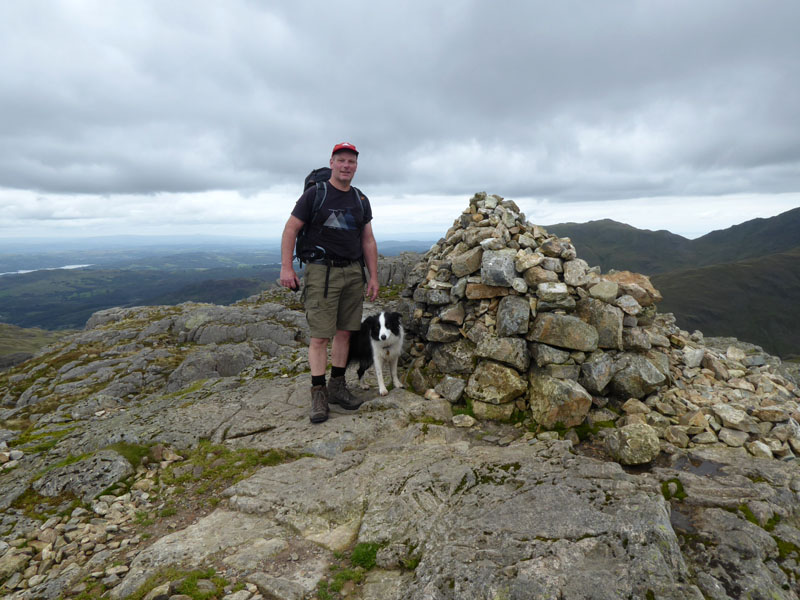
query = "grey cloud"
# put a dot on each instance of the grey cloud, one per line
(568, 100)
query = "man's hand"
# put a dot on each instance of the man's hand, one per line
(372, 289)
(288, 278)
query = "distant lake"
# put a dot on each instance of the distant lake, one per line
(47, 269)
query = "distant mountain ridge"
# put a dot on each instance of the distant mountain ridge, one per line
(615, 245)
(743, 281)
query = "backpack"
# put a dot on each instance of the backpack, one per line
(305, 250)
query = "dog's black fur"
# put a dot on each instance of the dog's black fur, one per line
(380, 338)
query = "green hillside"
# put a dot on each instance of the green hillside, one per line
(65, 299)
(16, 340)
(755, 300)
(613, 245)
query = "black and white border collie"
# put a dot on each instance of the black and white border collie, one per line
(379, 339)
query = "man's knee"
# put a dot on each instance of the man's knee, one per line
(317, 343)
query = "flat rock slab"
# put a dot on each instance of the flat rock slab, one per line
(528, 520)
(535, 520)
(456, 515)
(221, 530)
(85, 478)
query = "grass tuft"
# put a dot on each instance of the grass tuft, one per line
(133, 453)
(364, 555)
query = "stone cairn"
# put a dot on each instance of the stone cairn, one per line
(506, 317)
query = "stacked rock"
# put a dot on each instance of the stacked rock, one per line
(509, 316)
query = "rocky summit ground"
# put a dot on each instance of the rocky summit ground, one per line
(166, 452)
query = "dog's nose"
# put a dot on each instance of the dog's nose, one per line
(383, 336)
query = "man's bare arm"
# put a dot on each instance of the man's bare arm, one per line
(288, 277)
(370, 249)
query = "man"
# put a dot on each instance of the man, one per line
(334, 290)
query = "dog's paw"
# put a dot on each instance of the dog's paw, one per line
(398, 384)
(364, 385)
(384, 391)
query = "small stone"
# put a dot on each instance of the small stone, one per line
(707, 437)
(143, 484)
(733, 438)
(735, 418)
(205, 586)
(693, 357)
(431, 394)
(463, 421)
(694, 419)
(772, 414)
(634, 444)
(631, 419)
(665, 409)
(519, 285)
(629, 305)
(552, 292)
(604, 290)
(451, 388)
(677, 436)
(735, 354)
(633, 406)
(159, 593)
(759, 449)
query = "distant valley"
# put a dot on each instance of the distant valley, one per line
(743, 281)
(145, 272)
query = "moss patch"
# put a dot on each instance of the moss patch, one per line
(188, 583)
(464, 409)
(361, 560)
(38, 507)
(391, 292)
(42, 441)
(679, 494)
(133, 453)
(220, 466)
(748, 514)
(787, 549)
(586, 431)
(364, 555)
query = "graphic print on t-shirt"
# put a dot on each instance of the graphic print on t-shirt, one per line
(340, 218)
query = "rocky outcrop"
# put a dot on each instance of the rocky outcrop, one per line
(448, 512)
(394, 270)
(535, 332)
(124, 353)
(607, 453)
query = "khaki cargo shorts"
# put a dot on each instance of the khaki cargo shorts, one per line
(341, 310)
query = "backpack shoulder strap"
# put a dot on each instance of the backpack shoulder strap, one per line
(319, 199)
(360, 197)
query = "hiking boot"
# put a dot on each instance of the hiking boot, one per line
(339, 394)
(319, 404)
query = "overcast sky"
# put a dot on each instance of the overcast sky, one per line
(189, 117)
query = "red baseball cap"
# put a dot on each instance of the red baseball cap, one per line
(344, 146)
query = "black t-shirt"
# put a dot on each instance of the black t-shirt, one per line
(338, 224)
